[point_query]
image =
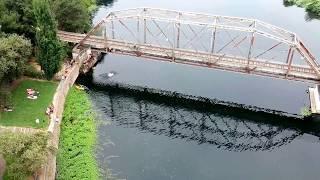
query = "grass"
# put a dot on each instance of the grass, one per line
(76, 155)
(26, 111)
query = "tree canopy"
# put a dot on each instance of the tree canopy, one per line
(17, 17)
(71, 15)
(50, 50)
(14, 52)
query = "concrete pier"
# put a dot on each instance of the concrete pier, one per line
(314, 99)
(95, 56)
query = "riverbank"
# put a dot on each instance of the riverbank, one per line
(311, 6)
(76, 159)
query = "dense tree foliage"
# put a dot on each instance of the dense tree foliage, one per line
(14, 52)
(74, 15)
(16, 17)
(50, 50)
(90, 5)
(24, 154)
(71, 15)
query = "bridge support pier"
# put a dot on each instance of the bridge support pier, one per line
(89, 63)
(315, 100)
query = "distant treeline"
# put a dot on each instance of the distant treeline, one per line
(312, 6)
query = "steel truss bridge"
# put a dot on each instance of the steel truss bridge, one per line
(220, 42)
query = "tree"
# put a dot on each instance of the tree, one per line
(90, 5)
(71, 15)
(50, 50)
(14, 52)
(24, 153)
(17, 17)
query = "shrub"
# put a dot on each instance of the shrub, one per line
(76, 158)
(5, 98)
(24, 153)
(31, 71)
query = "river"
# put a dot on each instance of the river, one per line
(151, 136)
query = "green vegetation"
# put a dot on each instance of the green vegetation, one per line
(17, 17)
(14, 52)
(76, 158)
(32, 72)
(71, 15)
(305, 112)
(91, 5)
(74, 15)
(26, 111)
(312, 6)
(24, 153)
(50, 50)
(34, 20)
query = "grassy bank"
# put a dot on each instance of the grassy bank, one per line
(312, 6)
(76, 158)
(26, 111)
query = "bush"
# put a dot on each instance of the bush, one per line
(76, 158)
(5, 98)
(14, 52)
(32, 72)
(24, 153)
(49, 51)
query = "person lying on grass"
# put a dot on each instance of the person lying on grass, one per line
(32, 94)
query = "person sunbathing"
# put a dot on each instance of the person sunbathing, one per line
(32, 94)
(8, 109)
(30, 91)
(32, 97)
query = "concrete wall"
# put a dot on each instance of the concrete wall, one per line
(48, 172)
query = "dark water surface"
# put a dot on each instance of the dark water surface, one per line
(150, 137)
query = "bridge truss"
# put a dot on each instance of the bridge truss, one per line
(221, 42)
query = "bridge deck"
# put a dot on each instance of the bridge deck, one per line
(217, 61)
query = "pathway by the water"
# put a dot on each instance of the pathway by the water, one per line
(24, 130)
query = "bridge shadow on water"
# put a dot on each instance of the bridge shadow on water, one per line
(225, 125)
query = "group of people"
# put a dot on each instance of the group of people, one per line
(49, 110)
(68, 66)
(32, 94)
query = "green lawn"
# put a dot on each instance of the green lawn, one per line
(26, 111)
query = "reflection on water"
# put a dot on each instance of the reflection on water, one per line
(212, 127)
(132, 116)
